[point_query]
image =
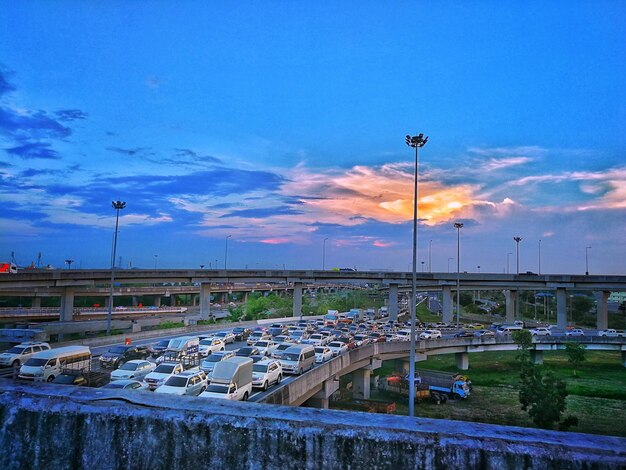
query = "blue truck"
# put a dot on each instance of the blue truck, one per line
(453, 385)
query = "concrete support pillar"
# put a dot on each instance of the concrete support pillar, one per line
(446, 304)
(393, 302)
(245, 297)
(536, 357)
(297, 299)
(194, 300)
(205, 300)
(624, 358)
(602, 300)
(561, 308)
(462, 360)
(67, 304)
(510, 296)
(321, 398)
(134, 301)
(361, 383)
(36, 302)
(157, 301)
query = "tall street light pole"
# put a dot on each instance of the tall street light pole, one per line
(156, 257)
(69, 263)
(539, 269)
(417, 142)
(517, 240)
(118, 206)
(226, 252)
(458, 226)
(587, 248)
(324, 255)
(430, 256)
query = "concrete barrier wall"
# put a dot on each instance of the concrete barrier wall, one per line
(54, 427)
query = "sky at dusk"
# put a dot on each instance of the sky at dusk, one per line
(282, 124)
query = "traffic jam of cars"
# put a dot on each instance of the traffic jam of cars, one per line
(239, 362)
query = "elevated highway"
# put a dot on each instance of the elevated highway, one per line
(38, 282)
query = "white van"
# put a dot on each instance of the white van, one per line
(506, 330)
(298, 359)
(46, 365)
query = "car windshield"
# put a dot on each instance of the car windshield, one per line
(239, 329)
(214, 358)
(116, 384)
(164, 343)
(290, 356)
(259, 367)
(335, 344)
(217, 389)
(297, 333)
(16, 350)
(319, 350)
(36, 362)
(118, 350)
(221, 334)
(129, 366)
(207, 342)
(176, 381)
(261, 344)
(165, 368)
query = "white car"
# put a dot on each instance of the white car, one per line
(277, 352)
(186, 383)
(210, 345)
(540, 332)
(162, 372)
(575, 332)
(136, 369)
(430, 334)
(337, 348)
(18, 355)
(226, 336)
(257, 336)
(611, 333)
(266, 372)
(323, 354)
(265, 347)
(402, 335)
(316, 339)
(208, 364)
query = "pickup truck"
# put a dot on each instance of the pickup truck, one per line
(163, 371)
(84, 378)
(118, 355)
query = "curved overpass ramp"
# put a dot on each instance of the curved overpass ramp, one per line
(324, 379)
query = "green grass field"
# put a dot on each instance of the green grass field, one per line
(597, 395)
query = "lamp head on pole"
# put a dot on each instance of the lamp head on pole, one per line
(118, 205)
(416, 140)
(517, 239)
(458, 225)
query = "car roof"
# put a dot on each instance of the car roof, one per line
(137, 361)
(188, 373)
(267, 361)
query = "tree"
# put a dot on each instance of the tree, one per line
(575, 354)
(541, 395)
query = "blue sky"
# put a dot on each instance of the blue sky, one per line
(282, 124)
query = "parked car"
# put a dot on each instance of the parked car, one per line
(19, 354)
(484, 333)
(337, 348)
(241, 333)
(208, 364)
(540, 331)
(575, 332)
(225, 336)
(163, 371)
(323, 354)
(266, 372)
(118, 355)
(265, 347)
(159, 348)
(186, 383)
(136, 369)
(210, 345)
(248, 351)
(127, 384)
(278, 350)
(257, 336)
(464, 334)
(430, 334)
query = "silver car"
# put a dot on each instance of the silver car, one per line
(186, 383)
